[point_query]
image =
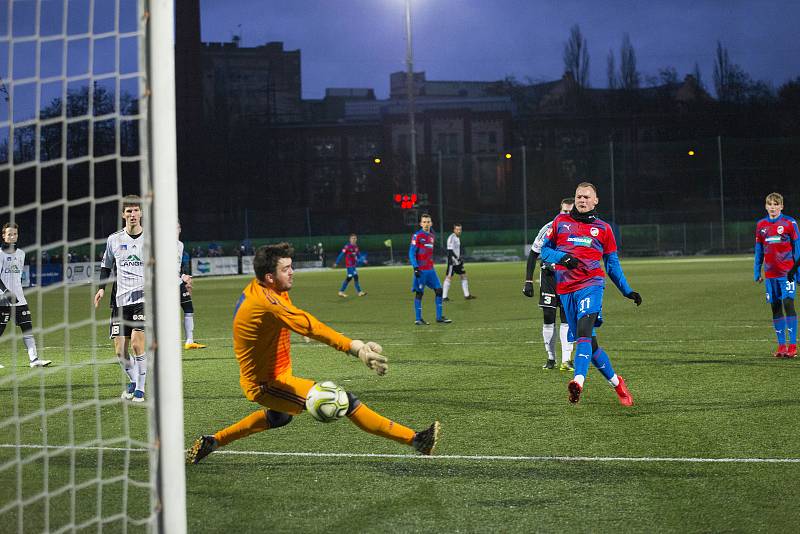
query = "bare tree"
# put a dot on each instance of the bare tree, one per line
(734, 85)
(722, 73)
(576, 56)
(629, 77)
(698, 76)
(611, 71)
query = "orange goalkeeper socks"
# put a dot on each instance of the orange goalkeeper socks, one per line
(253, 423)
(374, 423)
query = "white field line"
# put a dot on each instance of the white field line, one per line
(476, 458)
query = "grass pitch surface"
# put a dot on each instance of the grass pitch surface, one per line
(710, 444)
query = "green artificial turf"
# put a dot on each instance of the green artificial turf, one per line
(514, 455)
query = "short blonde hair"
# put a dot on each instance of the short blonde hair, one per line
(586, 184)
(777, 198)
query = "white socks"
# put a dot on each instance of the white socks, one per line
(549, 340)
(30, 344)
(566, 346)
(445, 288)
(465, 286)
(126, 362)
(140, 367)
(188, 324)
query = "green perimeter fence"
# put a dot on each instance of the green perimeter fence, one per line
(633, 240)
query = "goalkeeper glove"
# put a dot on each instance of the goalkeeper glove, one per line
(635, 297)
(9, 297)
(370, 354)
(792, 274)
(416, 272)
(527, 289)
(569, 261)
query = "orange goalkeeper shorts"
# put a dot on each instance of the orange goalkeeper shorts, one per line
(285, 393)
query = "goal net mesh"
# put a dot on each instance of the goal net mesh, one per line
(74, 455)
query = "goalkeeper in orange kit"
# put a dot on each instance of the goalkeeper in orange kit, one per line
(263, 318)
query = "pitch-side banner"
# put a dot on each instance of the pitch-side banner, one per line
(81, 272)
(218, 266)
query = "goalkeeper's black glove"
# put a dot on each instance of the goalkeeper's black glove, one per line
(527, 289)
(792, 274)
(9, 297)
(569, 261)
(416, 272)
(635, 297)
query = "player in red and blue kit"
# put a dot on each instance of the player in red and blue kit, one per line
(777, 247)
(576, 243)
(420, 253)
(350, 254)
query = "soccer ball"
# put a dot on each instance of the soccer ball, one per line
(327, 402)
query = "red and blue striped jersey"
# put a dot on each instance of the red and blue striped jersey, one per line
(421, 250)
(778, 239)
(588, 242)
(350, 253)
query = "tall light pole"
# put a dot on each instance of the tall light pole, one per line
(721, 190)
(410, 90)
(524, 195)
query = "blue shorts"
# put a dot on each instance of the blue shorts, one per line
(351, 272)
(779, 289)
(426, 278)
(582, 302)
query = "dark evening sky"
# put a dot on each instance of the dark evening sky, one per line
(357, 43)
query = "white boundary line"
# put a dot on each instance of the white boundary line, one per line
(476, 458)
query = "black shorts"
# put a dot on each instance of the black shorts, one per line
(22, 316)
(548, 298)
(455, 268)
(186, 296)
(132, 319)
(114, 328)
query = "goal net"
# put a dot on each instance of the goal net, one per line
(87, 117)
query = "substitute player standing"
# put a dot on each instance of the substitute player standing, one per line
(778, 247)
(548, 299)
(124, 252)
(350, 253)
(576, 243)
(185, 281)
(420, 254)
(262, 321)
(455, 264)
(12, 299)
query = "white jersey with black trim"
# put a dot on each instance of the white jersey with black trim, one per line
(540, 237)
(180, 261)
(11, 275)
(127, 253)
(454, 244)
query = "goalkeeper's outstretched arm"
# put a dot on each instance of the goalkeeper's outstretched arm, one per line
(305, 324)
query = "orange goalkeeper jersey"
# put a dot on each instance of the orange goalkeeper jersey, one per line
(261, 324)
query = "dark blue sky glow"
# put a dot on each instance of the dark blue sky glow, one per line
(357, 43)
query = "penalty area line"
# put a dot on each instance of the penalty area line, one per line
(478, 458)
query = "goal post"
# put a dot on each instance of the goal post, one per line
(166, 330)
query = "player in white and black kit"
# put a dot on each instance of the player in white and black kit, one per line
(12, 300)
(548, 299)
(185, 281)
(455, 264)
(124, 252)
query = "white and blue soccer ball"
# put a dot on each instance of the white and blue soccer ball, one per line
(327, 402)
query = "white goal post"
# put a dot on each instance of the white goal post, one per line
(166, 323)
